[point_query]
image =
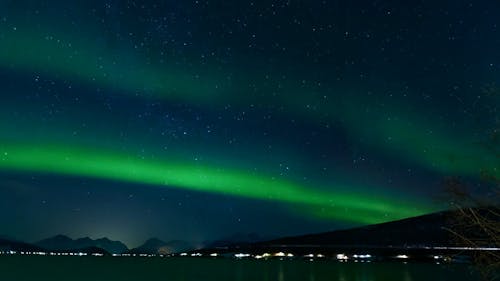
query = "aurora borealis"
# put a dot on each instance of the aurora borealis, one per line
(200, 119)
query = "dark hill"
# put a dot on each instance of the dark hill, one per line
(64, 243)
(9, 245)
(58, 242)
(426, 230)
(418, 235)
(156, 246)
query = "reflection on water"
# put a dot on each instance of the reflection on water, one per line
(191, 269)
(407, 276)
(281, 273)
(334, 271)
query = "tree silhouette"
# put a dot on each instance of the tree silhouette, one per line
(476, 220)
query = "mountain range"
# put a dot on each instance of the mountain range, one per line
(64, 243)
(425, 231)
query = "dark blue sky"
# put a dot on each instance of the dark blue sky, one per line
(200, 119)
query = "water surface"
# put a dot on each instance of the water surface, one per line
(17, 268)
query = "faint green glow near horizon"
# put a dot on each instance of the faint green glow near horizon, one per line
(74, 161)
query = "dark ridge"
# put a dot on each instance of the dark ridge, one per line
(9, 245)
(64, 243)
(157, 246)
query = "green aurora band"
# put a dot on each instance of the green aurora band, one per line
(75, 161)
(405, 137)
(64, 57)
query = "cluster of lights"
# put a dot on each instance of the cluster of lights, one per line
(8, 252)
(344, 257)
(365, 256)
(27, 253)
(313, 255)
(137, 255)
(468, 248)
(263, 256)
(76, 254)
(197, 254)
(340, 257)
(34, 253)
(241, 255)
(140, 255)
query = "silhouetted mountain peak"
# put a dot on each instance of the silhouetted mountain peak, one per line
(59, 237)
(154, 241)
(58, 242)
(84, 240)
(157, 246)
(61, 242)
(104, 239)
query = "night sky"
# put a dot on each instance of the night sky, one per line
(196, 120)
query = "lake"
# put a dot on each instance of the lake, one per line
(40, 268)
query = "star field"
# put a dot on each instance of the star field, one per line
(200, 119)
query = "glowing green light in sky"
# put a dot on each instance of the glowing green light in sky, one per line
(84, 62)
(71, 58)
(406, 137)
(428, 144)
(354, 207)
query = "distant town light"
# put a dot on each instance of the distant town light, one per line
(365, 256)
(241, 255)
(279, 254)
(342, 257)
(214, 254)
(402, 256)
